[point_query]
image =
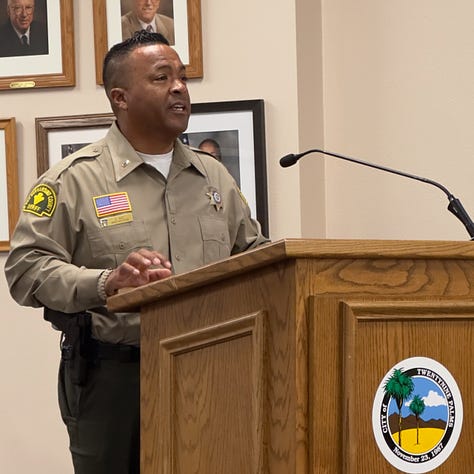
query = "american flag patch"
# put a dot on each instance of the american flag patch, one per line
(108, 204)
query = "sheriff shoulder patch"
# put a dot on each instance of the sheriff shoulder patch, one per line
(41, 202)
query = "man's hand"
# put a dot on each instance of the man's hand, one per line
(141, 267)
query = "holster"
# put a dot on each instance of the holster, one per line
(75, 341)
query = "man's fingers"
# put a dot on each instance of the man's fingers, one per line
(159, 273)
(145, 258)
(140, 267)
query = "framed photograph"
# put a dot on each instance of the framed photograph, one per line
(178, 20)
(234, 132)
(44, 55)
(9, 207)
(57, 137)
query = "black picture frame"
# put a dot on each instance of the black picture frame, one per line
(245, 118)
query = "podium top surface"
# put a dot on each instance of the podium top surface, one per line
(132, 299)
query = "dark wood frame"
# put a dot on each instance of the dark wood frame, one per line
(194, 68)
(44, 125)
(64, 78)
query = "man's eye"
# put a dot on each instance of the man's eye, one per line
(161, 77)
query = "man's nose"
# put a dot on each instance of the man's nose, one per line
(179, 85)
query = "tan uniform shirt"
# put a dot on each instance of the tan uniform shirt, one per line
(93, 208)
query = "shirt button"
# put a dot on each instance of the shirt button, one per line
(173, 220)
(177, 257)
(121, 245)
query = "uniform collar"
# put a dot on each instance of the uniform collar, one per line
(125, 159)
(123, 156)
(184, 157)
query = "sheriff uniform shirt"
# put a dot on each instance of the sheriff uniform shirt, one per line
(88, 212)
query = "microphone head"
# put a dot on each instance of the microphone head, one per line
(288, 160)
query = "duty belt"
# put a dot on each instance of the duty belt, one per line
(120, 352)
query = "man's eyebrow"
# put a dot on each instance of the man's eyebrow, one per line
(167, 66)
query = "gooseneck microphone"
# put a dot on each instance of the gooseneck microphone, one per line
(454, 205)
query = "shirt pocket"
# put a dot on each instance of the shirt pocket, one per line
(215, 239)
(113, 244)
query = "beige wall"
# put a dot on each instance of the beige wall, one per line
(389, 82)
(398, 91)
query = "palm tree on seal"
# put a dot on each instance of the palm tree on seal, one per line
(399, 386)
(417, 407)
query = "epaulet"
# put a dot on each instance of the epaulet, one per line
(90, 151)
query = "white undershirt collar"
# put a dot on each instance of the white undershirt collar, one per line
(161, 163)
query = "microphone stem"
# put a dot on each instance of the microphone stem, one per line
(384, 168)
(454, 205)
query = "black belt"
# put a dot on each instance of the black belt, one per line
(120, 352)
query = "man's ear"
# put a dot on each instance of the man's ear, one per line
(118, 96)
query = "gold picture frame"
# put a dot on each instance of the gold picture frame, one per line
(55, 69)
(9, 203)
(191, 43)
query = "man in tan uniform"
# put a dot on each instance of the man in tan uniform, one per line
(124, 211)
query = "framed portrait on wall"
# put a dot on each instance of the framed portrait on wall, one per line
(43, 56)
(57, 137)
(178, 20)
(235, 129)
(234, 133)
(8, 182)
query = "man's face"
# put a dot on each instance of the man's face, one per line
(20, 13)
(146, 9)
(156, 95)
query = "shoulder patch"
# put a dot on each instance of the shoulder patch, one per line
(41, 201)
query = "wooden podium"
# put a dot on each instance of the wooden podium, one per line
(269, 361)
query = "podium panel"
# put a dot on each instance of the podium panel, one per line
(272, 361)
(212, 390)
(378, 336)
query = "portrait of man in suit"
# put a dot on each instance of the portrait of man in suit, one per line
(21, 34)
(143, 15)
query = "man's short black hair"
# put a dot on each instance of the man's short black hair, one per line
(120, 50)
